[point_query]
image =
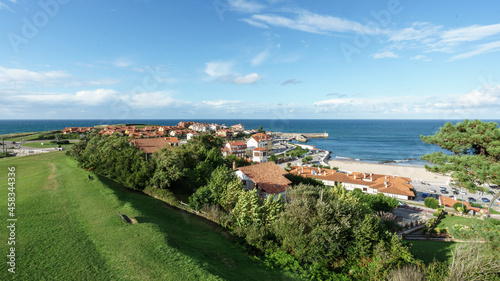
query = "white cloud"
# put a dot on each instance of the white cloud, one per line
(249, 79)
(95, 97)
(23, 76)
(223, 72)
(122, 62)
(89, 98)
(154, 100)
(218, 68)
(316, 23)
(245, 6)
(383, 55)
(420, 57)
(335, 102)
(218, 103)
(471, 33)
(488, 96)
(261, 57)
(481, 49)
(419, 31)
(255, 23)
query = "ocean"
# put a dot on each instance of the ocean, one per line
(364, 140)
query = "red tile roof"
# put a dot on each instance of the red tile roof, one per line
(267, 176)
(383, 183)
(172, 140)
(260, 149)
(260, 137)
(449, 202)
(237, 143)
(149, 145)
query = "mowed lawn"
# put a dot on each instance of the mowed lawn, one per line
(68, 229)
(47, 144)
(449, 221)
(428, 251)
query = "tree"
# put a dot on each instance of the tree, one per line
(431, 202)
(260, 130)
(273, 157)
(307, 159)
(474, 154)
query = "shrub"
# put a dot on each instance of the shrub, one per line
(436, 271)
(203, 196)
(458, 207)
(408, 272)
(431, 202)
(436, 214)
(162, 194)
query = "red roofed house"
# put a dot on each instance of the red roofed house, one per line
(238, 128)
(150, 145)
(176, 133)
(392, 186)
(225, 151)
(259, 155)
(191, 135)
(260, 140)
(172, 141)
(268, 178)
(225, 133)
(449, 202)
(237, 148)
(79, 130)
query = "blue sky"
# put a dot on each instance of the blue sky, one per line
(192, 59)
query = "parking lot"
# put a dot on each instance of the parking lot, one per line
(434, 190)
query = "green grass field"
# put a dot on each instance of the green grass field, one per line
(427, 251)
(46, 144)
(68, 229)
(448, 221)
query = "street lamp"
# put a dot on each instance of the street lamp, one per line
(462, 192)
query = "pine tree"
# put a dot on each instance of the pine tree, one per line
(474, 156)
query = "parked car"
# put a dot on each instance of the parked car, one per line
(424, 195)
(455, 192)
(444, 191)
(442, 188)
(486, 200)
(432, 190)
(471, 199)
(402, 203)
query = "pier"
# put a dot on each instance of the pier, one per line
(302, 137)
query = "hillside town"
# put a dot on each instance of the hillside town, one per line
(256, 147)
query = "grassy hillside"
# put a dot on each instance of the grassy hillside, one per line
(68, 229)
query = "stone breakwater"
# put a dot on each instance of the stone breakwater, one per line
(307, 135)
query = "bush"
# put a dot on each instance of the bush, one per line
(203, 196)
(436, 214)
(162, 194)
(431, 202)
(436, 271)
(408, 272)
(458, 207)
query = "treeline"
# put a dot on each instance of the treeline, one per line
(182, 169)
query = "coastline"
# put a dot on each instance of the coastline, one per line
(417, 174)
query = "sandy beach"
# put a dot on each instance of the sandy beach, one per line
(417, 174)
